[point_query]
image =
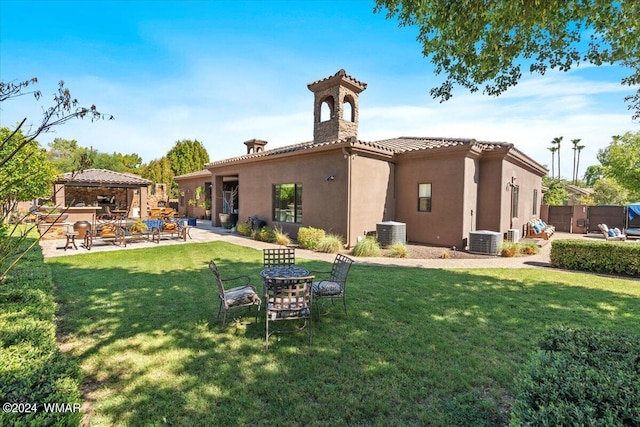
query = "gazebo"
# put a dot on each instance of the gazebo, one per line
(93, 190)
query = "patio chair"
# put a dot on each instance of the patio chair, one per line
(335, 287)
(237, 297)
(288, 299)
(611, 234)
(273, 257)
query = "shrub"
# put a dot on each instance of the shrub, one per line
(509, 249)
(265, 234)
(398, 250)
(309, 237)
(597, 256)
(445, 255)
(33, 370)
(580, 377)
(281, 237)
(244, 229)
(528, 248)
(331, 244)
(367, 247)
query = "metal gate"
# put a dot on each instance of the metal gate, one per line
(561, 217)
(613, 216)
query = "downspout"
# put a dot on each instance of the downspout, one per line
(347, 156)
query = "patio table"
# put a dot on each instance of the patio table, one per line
(284, 272)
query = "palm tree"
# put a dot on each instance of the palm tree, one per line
(553, 160)
(579, 148)
(557, 142)
(575, 143)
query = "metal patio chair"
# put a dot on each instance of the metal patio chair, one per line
(334, 287)
(237, 297)
(280, 256)
(288, 299)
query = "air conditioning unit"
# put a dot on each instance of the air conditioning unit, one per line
(390, 232)
(513, 235)
(485, 242)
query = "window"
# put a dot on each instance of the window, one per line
(535, 202)
(515, 190)
(287, 203)
(424, 197)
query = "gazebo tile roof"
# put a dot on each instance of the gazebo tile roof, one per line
(103, 176)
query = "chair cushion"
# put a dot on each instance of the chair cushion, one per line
(241, 295)
(283, 314)
(326, 288)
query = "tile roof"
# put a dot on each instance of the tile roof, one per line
(200, 173)
(103, 176)
(410, 143)
(393, 146)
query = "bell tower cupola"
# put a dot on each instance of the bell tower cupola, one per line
(335, 107)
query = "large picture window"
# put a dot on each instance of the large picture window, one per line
(424, 197)
(287, 203)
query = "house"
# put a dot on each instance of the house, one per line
(440, 188)
(194, 193)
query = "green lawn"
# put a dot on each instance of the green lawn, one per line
(419, 347)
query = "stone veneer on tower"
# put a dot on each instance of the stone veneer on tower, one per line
(335, 92)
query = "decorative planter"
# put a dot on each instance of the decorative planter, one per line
(228, 221)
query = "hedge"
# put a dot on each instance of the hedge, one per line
(622, 258)
(32, 369)
(581, 377)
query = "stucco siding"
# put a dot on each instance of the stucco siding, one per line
(323, 199)
(372, 195)
(470, 208)
(443, 225)
(491, 205)
(497, 177)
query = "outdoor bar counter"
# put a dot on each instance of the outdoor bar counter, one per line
(70, 215)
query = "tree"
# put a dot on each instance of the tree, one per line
(556, 194)
(158, 171)
(592, 174)
(579, 148)
(64, 154)
(608, 192)
(556, 141)
(575, 142)
(553, 160)
(488, 43)
(64, 109)
(28, 174)
(621, 161)
(187, 156)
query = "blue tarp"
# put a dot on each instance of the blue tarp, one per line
(633, 209)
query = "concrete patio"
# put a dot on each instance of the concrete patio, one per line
(204, 232)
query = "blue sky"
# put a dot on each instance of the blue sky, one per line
(224, 72)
